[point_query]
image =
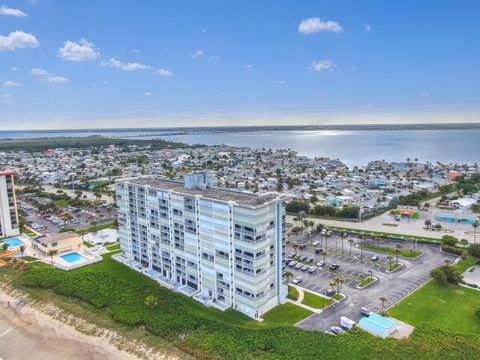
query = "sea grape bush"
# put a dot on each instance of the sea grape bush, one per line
(207, 338)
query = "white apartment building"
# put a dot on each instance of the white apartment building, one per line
(224, 248)
(8, 205)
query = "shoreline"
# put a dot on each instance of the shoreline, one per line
(29, 332)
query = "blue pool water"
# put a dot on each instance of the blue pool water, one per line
(13, 243)
(74, 258)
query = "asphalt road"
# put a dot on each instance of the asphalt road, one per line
(394, 286)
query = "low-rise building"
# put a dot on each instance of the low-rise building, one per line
(58, 243)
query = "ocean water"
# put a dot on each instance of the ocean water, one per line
(358, 147)
(355, 147)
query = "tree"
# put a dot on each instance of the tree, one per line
(51, 253)
(151, 301)
(295, 248)
(439, 275)
(350, 242)
(397, 251)
(428, 223)
(464, 242)
(383, 300)
(475, 226)
(474, 250)
(449, 240)
(4, 247)
(332, 285)
(288, 275)
(390, 258)
(22, 249)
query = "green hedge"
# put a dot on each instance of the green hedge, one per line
(207, 338)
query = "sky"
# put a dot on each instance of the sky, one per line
(103, 63)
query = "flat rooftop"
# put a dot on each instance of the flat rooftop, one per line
(242, 198)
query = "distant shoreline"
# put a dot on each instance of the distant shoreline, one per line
(166, 131)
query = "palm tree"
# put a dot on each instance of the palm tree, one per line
(447, 263)
(341, 281)
(295, 247)
(475, 226)
(22, 249)
(397, 251)
(361, 277)
(350, 242)
(151, 301)
(390, 258)
(383, 299)
(464, 242)
(51, 253)
(332, 285)
(324, 254)
(4, 247)
(344, 235)
(288, 275)
(371, 273)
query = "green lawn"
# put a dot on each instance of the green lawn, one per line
(449, 307)
(366, 281)
(292, 293)
(463, 265)
(113, 247)
(391, 251)
(394, 267)
(286, 314)
(315, 301)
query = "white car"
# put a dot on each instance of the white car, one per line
(292, 263)
(299, 266)
(316, 243)
(297, 280)
(312, 269)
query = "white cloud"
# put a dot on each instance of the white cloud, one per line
(324, 65)
(11, 84)
(78, 51)
(125, 66)
(48, 77)
(424, 94)
(320, 94)
(164, 72)
(197, 54)
(248, 66)
(314, 25)
(278, 82)
(6, 96)
(14, 68)
(147, 93)
(368, 28)
(18, 40)
(6, 11)
(213, 58)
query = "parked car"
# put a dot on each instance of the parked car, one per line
(310, 260)
(297, 280)
(375, 258)
(316, 243)
(321, 263)
(312, 269)
(337, 330)
(292, 263)
(303, 258)
(298, 266)
(302, 246)
(330, 292)
(364, 311)
(305, 267)
(334, 267)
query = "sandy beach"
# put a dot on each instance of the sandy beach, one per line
(28, 333)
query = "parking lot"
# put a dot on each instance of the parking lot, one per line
(394, 286)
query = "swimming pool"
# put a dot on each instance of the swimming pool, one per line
(13, 243)
(74, 258)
